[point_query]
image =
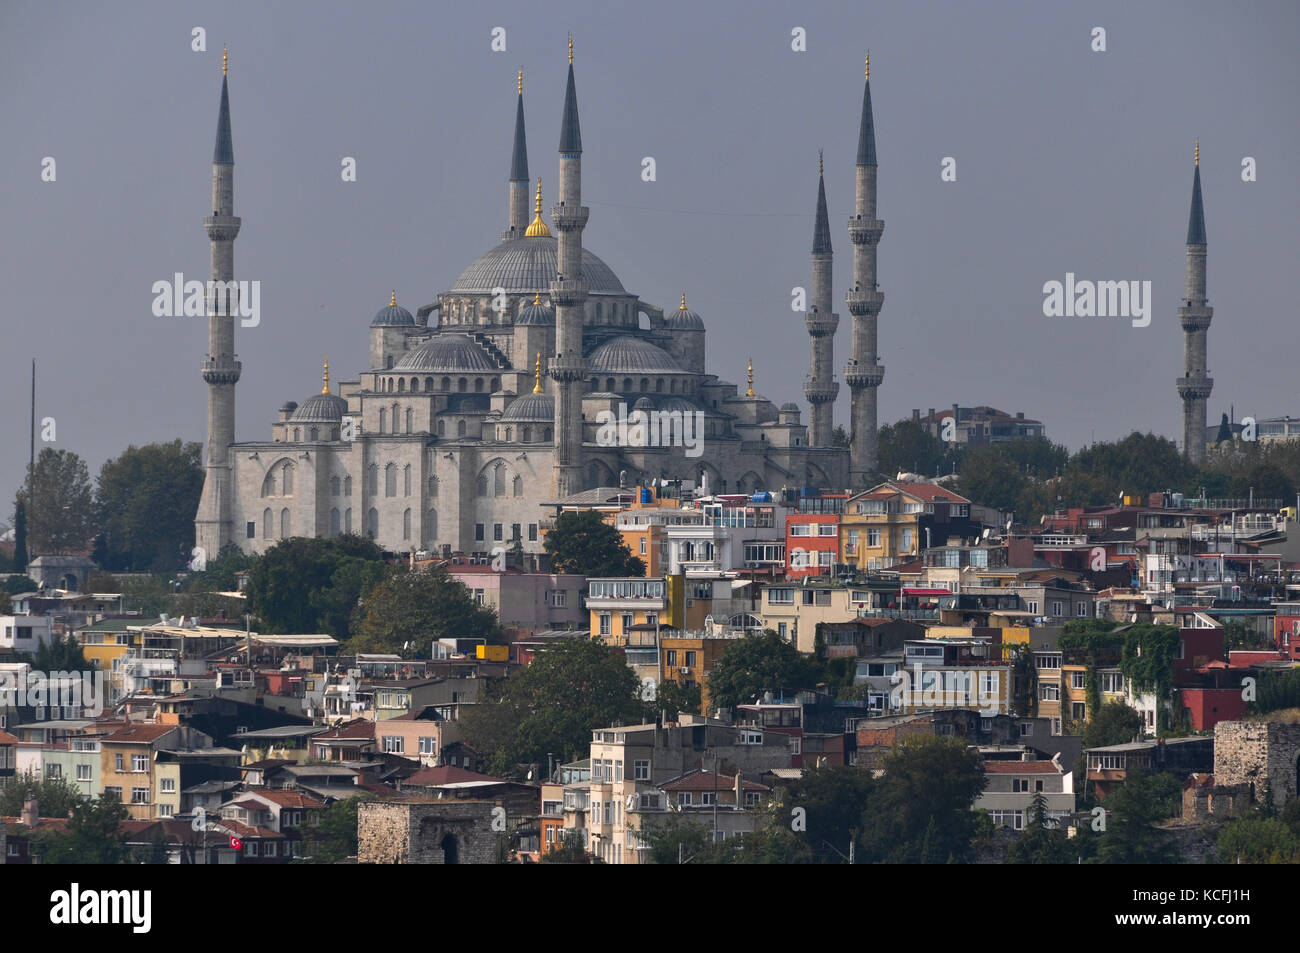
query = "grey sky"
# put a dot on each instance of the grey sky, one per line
(1067, 160)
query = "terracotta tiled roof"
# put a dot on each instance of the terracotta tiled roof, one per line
(7, 739)
(447, 774)
(358, 729)
(1021, 767)
(139, 734)
(244, 831)
(286, 798)
(698, 780)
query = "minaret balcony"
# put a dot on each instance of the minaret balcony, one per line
(568, 294)
(222, 228)
(1195, 388)
(1193, 317)
(858, 376)
(865, 304)
(567, 369)
(821, 323)
(865, 231)
(569, 218)
(221, 372)
(820, 392)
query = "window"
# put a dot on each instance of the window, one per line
(54, 770)
(1026, 729)
(641, 770)
(166, 810)
(478, 532)
(167, 785)
(642, 546)
(497, 532)
(113, 791)
(119, 763)
(671, 660)
(139, 762)
(139, 795)
(1112, 683)
(1031, 606)
(780, 597)
(532, 532)
(626, 620)
(270, 845)
(250, 847)
(394, 744)
(605, 620)
(1049, 693)
(559, 598)
(683, 798)
(83, 772)
(1049, 661)
(1081, 609)
(1058, 607)
(1077, 711)
(690, 659)
(1076, 680)
(873, 537)
(251, 530)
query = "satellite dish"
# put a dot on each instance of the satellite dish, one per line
(530, 774)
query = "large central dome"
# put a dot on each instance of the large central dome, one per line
(527, 265)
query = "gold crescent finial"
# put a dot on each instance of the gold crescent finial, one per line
(683, 307)
(1197, 153)
(866, 65)
(570, 49)
(537, 228)
(326, 377)
(392, 301)
(225, 59)
(750, 392)
(537, 299)
(521, 82)
(537, 373)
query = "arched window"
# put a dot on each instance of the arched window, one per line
(390, 480)
(285, 528)
(406, 480)
(383, 419)
(499, 480)
(389, 363)
(288, 479)
(442, 427)
(446, 383)
(462, 385)
(397, 420)
(415, 384)
(347, 520)
(373, 519)
(335, 522)
(659, 385)
(546, 435)
(334, 486)
(410, 416)
(460, 428)
(334, 433)
(510, 433)
(268, 524)
(297, 433)
(645, 385)
(314, 434)
(627, 385)
(268, 484)
(672, 386)
(433, 486)
(482, 484)
(528, 435)
(401, 385)
(478, 385)
(347, 486)
(372, 474)
(406, 524)
(496, 384)
(609, 385)
(431, 525)
(428, 385)
(518, 487)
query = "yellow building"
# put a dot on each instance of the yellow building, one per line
(893, 522)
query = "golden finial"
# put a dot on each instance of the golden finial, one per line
(866, 65)
(683, 307)
(326, 388)
(1197, 153)
(538, 228)
(537, 373)
(570, 49)
(225, 59)
(392, 301)
(750, 392)
(821, 168)
(537, 299)
(521, 82)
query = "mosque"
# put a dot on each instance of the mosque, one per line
(479, 408)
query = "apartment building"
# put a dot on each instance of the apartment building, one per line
(893, 522)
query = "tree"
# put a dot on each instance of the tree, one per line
(312, 585)
(1136, 806)
(16, 584)
(569, 851)
(1043, 841)
(908, 446)
(833, 801)
(551, 706)
(334, 839)
(58, 501)
(55, 796)
(757, 664)
(1114, 723)
(20, 536)
(583, 543)
(1258, 840)
(6, 603)
(408, 610)
(840, 437)
(1225, 431)
(61, 655)
(145, 501)
(674, 698)
(94, 835)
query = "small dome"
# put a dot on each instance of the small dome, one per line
(289, 406)
(629, 355)
(535, 314)
(644, 403)
(671, 404)
(447, 352)
(393, 316)
(683, 319)
(790, 405)
(321, 409)
(531, 408)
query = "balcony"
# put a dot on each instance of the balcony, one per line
(918, 615)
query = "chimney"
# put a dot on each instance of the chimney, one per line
(916, 415)
(31, 813)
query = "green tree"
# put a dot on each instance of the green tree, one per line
(312, 585)
(1258, 840)
(61, 655)
(1135, 808)
(1043, 841)
(58, 502)
(757, 664)
(673, 698)
(551, 706)
(334, 839)
(94, 835)
(405, 612)
(583, 543)
(55, 797)
(221, 572)
(840, 437)
(829, 806)
(908, 447)
(1115, 723)
(1225, 431)
(20, 536)
(569, 851)
(145, 500)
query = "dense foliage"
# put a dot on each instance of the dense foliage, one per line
(406, 612)
(583, 543)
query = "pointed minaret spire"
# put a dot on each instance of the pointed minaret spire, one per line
(1194, 316)
(864, 372)
(570, 133)
(517, 188)
(819, 386)
(224, 153)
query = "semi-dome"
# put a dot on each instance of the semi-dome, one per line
(320, 409)
(531, 408)
(535, 314)
(527, 265)
(683, 319)
(790, 405)
(447, 352)
(629, 355)
(393, 315)
(671, 404)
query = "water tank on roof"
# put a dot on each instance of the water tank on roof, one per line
(645, 494)
(763, 497)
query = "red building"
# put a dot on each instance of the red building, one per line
(1286, 629)
(811, 542)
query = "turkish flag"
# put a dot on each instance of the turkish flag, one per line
(236, 843)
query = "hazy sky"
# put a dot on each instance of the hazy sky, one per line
(1068, 160)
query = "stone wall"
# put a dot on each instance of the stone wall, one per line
(437, 832)
(1261, 755)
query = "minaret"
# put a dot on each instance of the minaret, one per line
(864, 371)
(568, 368)
(518, 186)
(214, 524)
(819, 387)
(1194, 315)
